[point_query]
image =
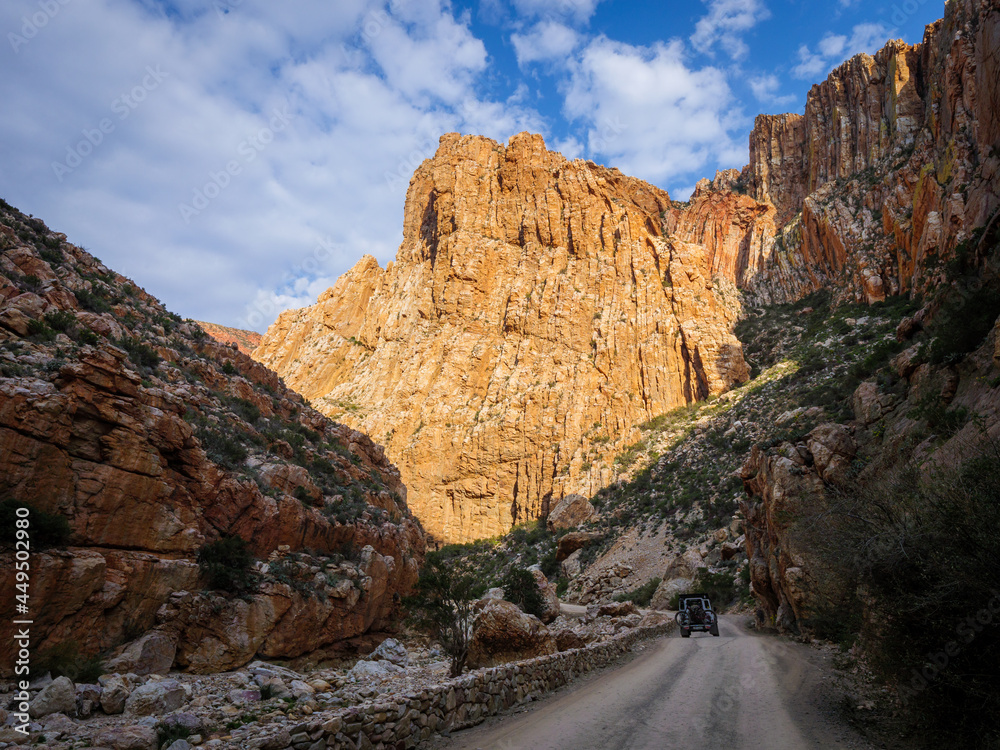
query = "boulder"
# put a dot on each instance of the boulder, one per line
(832, 449)
(571, 566)
(729, 550)
(616, 609)
(567, 639)
(570, 512)
(243, 696)
(274, 687)
(301, 689)
(547, 589)
(189, 723)
(128, 738)
(58, 724)
(570, 543)
(666, 590)
(57, 697)
(502, 633)
(88, 698)
(378, 670)
(392, 651)
(115, 691)
(156, 698)
(153, 653)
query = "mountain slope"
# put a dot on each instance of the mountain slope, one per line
(152, 440)
(535, 312)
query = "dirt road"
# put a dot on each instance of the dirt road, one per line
(739, 691)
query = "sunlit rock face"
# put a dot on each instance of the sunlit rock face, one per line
(535, 313)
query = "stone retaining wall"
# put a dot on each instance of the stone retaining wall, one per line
(404, 721)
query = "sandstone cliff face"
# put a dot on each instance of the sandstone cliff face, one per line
(152, 439)
(245, 341)
(535, 312)
(895, 161)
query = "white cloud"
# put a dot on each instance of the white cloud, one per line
(726, 22)
(648, 113)
(545, 41)
(578, 10)
(833, 49)
(367, 92)
(765, 88)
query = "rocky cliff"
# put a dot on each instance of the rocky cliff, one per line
(878, 184)
(152, 440)
(245, 341)
(539, 309)
(534, 314)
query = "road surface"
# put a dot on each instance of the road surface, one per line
(738, 691)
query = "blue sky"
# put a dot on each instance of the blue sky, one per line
(235, 156)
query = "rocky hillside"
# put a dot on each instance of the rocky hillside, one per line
(152, 441)
(895, 161)
(246, 341)
(535, 313)
(539, 310)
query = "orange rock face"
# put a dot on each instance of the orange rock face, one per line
(534, 314)
(895, 161)
(154, 443)
(245, 341)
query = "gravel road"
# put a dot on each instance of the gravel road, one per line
(739, 691)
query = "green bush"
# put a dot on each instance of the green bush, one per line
(39, 331)
(719, 587)
(962, 324)
(228, 565)
(923, 548)
(519, 588)
(642, 595)
(64, 660)
(223, 449)
(92, 302)
(46, 529)
(140, 353)
(442, 604)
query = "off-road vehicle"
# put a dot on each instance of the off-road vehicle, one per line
(695, 614)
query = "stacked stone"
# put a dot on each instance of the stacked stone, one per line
(460, 703)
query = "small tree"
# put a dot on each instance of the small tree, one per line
(228, 564)
(443, 604)
(520, 588)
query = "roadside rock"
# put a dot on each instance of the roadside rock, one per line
(156, 698)
(57, 697)
(115, 691)
(392, 651)
(570, 512)
(666, 591)
(128, 738)
(373, 669)
(547, 589)
(502, 633)
(570, 543)
(616, 609)
(153, 653)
